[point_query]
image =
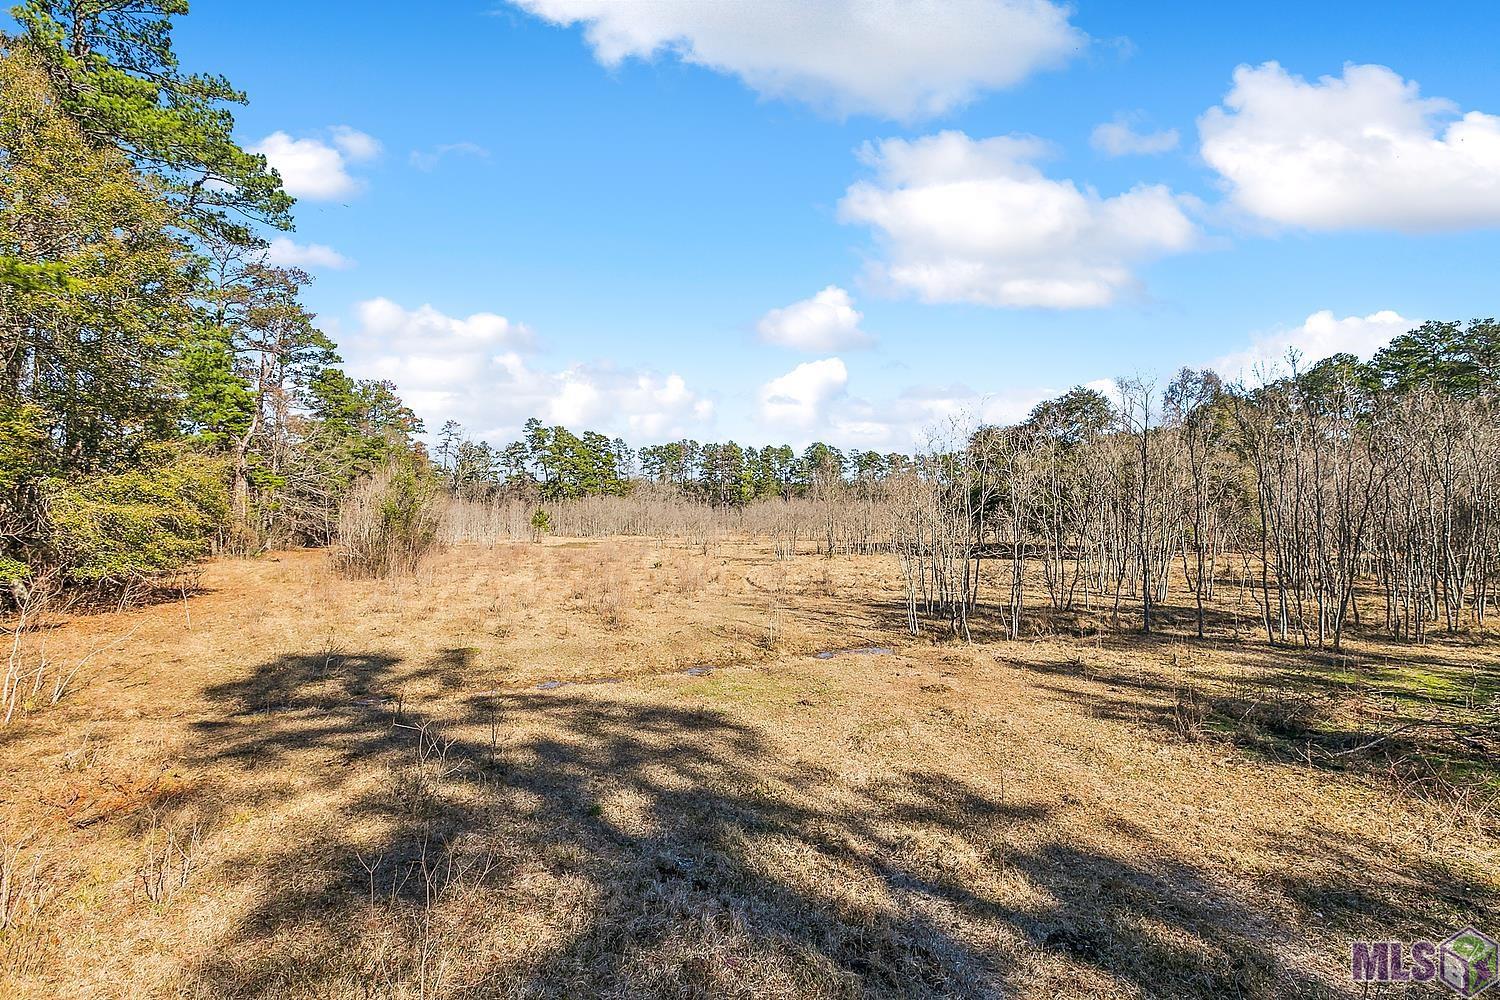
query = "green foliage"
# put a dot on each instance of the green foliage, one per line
(570, 465)
(13, 571)
(138, 317)
(728, 474)
(137, 524)
(218, 403)
(25, 276)
(406, 502)
(24, 460)
(23, 446)
(117, 76)
(353, 429)
(1340, 383)
(554, 463)
(1447, 356)
(1074, 417)
(541, 524)
(368, 416)
(90, 352)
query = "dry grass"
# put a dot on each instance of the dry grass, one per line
(495, 778)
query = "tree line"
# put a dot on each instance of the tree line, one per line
(163, 390)
(1334, 494)
(555, 463)
(1327, 495)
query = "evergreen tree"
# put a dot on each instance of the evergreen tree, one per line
(117, 76)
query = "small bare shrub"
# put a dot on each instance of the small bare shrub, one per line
(1284, 713)
(23, 882)
(388, 522)
(167, 861)
(85, 756)
(1190, 714)
(606, 590)
(1253, 714)
(416, 783)
(775, 603)
(609, 607)
(821, 585)
(692, 577)
(32, 679)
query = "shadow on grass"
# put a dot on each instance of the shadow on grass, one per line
(561, 845)
(1296, 707)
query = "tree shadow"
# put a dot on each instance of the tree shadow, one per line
(570, 843)
(1336, 712)
(1416, 897)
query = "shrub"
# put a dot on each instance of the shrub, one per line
(388, 521)
(541, 524)
(113, 529)
(13, 572)
(23, 464)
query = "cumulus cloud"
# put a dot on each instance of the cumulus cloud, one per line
(642, 405)
(800, 398)
(1120, 138)
(1364, 150)
(902, 60)
(1320, 336)
(354, 144)
(425, 328)
(975, 220)
(923, 411)
(826, 322)
(813, 402)
(314, 169)
(284, 252)
(472, 369)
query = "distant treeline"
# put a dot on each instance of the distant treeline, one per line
(1307, 489)
(555, 463)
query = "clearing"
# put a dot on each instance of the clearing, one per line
(620, 768)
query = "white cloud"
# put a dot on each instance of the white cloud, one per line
(425, 329)
(472, 369)
(317, 170)
(826, 322)
(917, 412)
(1119, 138)
(800, 398)
(284, 252)
(429, 159)
(1364, 150)
(812, 402)
(356, 145)
(1320, 336)
(974, 220)
(903, 60)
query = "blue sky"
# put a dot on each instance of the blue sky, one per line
(636, 188)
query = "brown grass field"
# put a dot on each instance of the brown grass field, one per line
(295, 785)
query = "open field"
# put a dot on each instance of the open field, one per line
(620, 768)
